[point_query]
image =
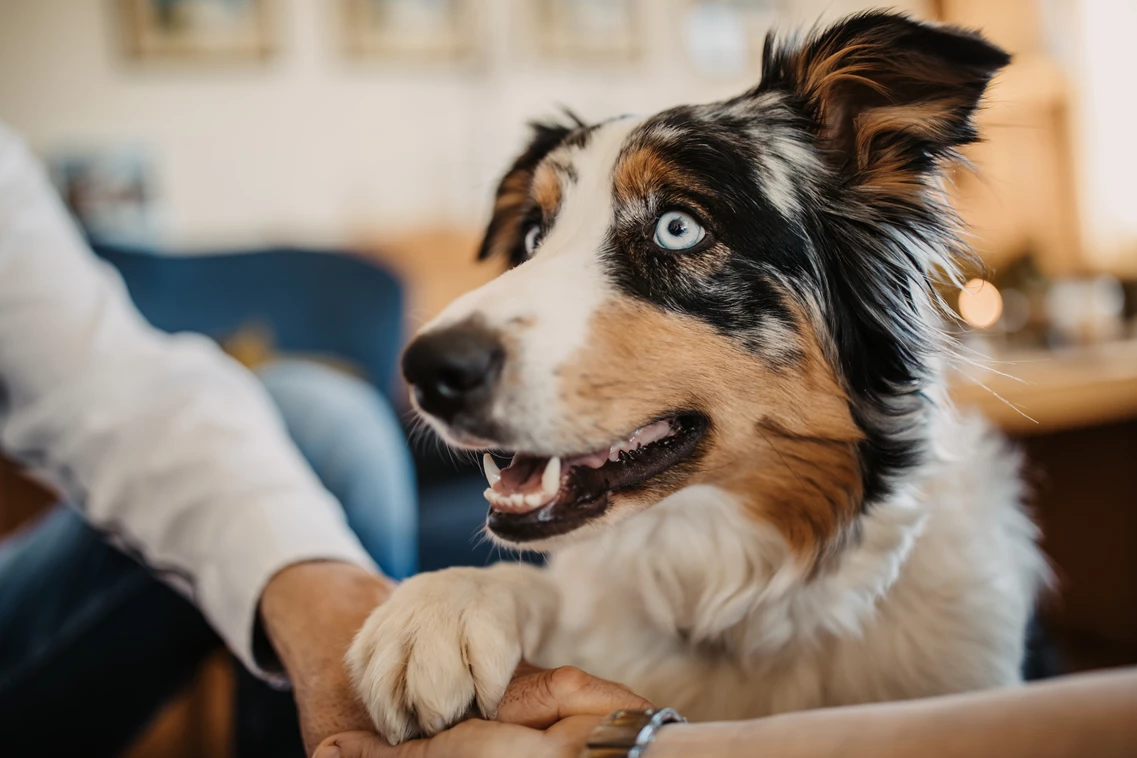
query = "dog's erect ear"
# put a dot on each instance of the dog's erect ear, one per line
(505, 236)
(890, 96)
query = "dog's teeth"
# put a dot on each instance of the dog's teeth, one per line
(489, 494)
(614, 453)
(493, 473)
(551, 479)
(535, 499)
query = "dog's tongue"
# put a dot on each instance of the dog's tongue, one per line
(530, 482)
(522, 475)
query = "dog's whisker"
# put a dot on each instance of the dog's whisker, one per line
(1013, 406)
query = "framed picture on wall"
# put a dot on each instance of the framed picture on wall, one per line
(204, 30)
(724, 38)
(110, 192)
(409, 30)
(583, 31)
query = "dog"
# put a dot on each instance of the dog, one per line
(719, 359)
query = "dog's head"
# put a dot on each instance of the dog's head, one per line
(735, 294)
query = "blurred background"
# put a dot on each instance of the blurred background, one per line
(308, 178)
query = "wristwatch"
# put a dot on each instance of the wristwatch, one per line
(626, 734)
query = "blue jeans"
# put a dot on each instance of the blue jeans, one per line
(91, 645)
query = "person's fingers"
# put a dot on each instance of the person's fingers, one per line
(477, 738)
(357, 745)
(541, 699)
(570, 735)
(474, 738)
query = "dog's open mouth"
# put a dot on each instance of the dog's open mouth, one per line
(536, 497)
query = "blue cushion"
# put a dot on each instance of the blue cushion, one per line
(312, 302)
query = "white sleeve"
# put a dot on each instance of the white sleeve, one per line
(165, 443)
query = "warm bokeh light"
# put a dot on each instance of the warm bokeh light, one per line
(980, 303)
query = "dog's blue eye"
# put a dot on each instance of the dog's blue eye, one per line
(532, 238)
(676, 230)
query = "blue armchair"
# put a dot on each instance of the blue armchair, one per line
(320, 304)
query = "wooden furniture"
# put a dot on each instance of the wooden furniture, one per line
(21, 499)
(1074, 414)
(1037, 392)
(435, 265)
(1083, 483)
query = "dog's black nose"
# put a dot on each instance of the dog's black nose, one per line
(453, 370)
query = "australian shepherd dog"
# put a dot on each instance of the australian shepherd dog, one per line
(717, 357)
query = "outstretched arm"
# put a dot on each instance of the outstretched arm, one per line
(1088, 715)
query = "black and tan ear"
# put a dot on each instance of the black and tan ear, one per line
(505, 235)
(889, 96)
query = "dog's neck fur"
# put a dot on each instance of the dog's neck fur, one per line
(710, 574)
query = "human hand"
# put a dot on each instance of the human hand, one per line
(311, 611)
(543, 714)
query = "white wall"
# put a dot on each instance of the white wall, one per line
(310, 148)
(1106, 68)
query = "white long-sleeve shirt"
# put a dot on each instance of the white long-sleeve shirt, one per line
(164, 443)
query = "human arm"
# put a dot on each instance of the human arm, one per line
(311, 611)
(1092, 714)
(170, 448)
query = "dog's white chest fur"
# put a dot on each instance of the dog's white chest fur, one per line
(694, 605)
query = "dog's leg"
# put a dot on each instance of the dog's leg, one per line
(449, 641)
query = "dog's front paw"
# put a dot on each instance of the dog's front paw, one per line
(443, 644)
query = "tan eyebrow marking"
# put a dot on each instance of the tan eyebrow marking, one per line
(643, 170)
(546, 187)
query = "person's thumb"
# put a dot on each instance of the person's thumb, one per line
(356, 745)
(543, 698)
